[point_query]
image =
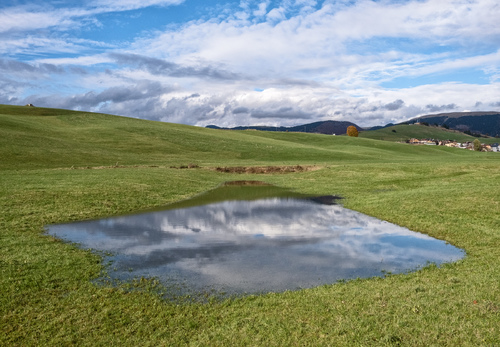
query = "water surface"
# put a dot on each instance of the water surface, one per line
(254, 239)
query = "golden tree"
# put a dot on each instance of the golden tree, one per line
(352, 131)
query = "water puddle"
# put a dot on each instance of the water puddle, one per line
(248, 238)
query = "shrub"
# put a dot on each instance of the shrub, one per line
(477, 145)
(352, 131)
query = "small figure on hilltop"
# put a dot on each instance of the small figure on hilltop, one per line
(30, 105)
(352, 131)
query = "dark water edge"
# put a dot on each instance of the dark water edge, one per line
(249, 238)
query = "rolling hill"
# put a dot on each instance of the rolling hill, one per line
(469, 123)
(404, 132)
(33, 138)
(485, 123)
(56, 293)
(324, 127)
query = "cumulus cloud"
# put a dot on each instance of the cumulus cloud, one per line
(15, 67)
(393, 106)
(440, 108)
(273, 63)
(144, 90)
(262, 9)
(161, 67)
(8, 91)
(282, 112)
(240, 110)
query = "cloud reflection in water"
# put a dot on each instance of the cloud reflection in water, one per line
(273, 244)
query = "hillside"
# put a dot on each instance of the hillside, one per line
(403, 132)
(469, 123)
(324, 127)
(57, 294)
(485, 123)
(42, 137)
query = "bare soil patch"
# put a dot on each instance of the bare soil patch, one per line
(107, 167)
(266, 169)
(246, 183)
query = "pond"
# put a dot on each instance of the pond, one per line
(254, 238)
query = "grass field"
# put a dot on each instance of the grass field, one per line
(59, 166)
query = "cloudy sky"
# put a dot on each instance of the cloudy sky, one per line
(245, 62)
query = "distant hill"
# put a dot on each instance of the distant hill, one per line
(328, 127)
(485, 123)
(404, 132)
(470, 123)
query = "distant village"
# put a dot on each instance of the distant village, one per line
(450, 143)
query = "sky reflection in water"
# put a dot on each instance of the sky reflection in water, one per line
(271, 244)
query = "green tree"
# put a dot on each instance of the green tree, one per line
(477, 145)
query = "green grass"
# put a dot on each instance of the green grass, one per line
(405, 132)
(33, 138)
(47, 296)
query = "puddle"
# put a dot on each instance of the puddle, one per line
(254, 238)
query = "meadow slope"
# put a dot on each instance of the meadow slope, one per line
(403, 132)
(59, 166)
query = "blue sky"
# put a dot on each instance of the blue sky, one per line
(244, 62)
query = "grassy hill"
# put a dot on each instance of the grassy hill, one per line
(403, 132)
(48, 293)
(42, 138)
(482, 122)
(328, 127)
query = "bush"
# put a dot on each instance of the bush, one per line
(352, 131)
(477, 145)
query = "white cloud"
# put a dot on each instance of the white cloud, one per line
(28, 19)
(126, 5)
(34, 17)
(311, 61)
(83, 60)
(276, 15)
(262, 9)
(37, 46)
(320, 41)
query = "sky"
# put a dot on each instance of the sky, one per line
(244, 62)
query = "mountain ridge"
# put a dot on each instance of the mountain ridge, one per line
(471, 123)
(483, 123)
(329, 127)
